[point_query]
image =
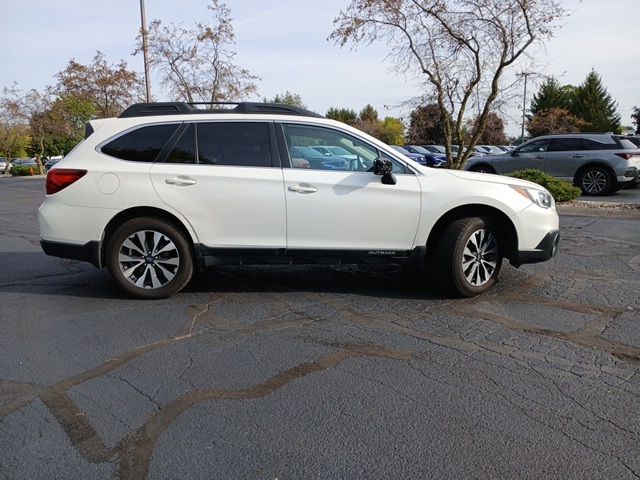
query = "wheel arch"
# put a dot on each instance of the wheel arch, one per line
(486, 165)
(594, 163)
(506, 229)
(137, 212)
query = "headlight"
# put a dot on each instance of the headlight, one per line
(540, 197)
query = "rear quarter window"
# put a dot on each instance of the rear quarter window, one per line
(596, 145)
(142, 144)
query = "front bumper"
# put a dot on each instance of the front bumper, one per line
(546, 249)
(89, 252)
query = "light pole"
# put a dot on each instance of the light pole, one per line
(147, 80)
(524, 101)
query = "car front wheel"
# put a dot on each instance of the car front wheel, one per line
(469, 256)
(149, 258)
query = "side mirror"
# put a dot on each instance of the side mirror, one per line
(384, 168)
(513, 153)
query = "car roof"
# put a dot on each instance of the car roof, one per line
(190, 108)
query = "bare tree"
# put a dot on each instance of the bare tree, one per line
(459, 48)
(110, 88)
(197, 64)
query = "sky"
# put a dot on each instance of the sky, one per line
(285, 43)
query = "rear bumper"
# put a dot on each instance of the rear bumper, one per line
(545, 250)
(89, 252)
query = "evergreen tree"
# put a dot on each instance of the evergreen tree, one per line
(594, 105)
(636, 118)
(368, 114)
(344, 115)
(551, 95)
(288, 98)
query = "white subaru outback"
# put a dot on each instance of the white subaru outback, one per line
(168, 187)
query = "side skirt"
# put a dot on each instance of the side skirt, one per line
(207, 257)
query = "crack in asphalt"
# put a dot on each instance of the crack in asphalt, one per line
(134, 452)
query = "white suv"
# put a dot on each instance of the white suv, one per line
(167, 187)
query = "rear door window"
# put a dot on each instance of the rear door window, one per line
(142, 144)
(241, 144)
(566, 145)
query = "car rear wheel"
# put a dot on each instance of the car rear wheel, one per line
(596, 181)
(149, 258)
(469, 256)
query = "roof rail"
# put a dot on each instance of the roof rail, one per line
(180, 108)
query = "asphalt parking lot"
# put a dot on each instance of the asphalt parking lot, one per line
(320, 372)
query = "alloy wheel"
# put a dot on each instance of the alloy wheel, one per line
(594, 181)
(480, 257)
(148, 259)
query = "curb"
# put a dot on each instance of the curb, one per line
(600, 209)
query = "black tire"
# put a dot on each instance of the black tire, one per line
(596, 181)
(164, 261)
(452, 264)
(482, 168)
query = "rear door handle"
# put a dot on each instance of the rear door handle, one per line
(180, 181)
(577, 156)
(539, 157)
(302, 188)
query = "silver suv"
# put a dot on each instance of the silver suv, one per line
(597, 163)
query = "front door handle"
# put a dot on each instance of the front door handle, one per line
(180, 181)
(539, 157)
(302, 188)
(577, 156)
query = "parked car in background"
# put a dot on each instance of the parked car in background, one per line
(50, 162)
(434, 148)
(416, 157)
(437, 160)
(335, 151)
(24, 162)
(316, 160)
(3, 164)
(492, 150)
(506, 148)
(597, 163)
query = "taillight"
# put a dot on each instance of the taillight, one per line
(626, 156)
(59, 178)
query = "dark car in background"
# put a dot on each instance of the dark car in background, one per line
(416, 157)
(438, 160)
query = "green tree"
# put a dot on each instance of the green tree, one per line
(368, 114)
(391, 131)
(426, 126)
(552, 95)
(636, 118)
(287, 98)
(14, 141)
(344, 115)
(594, 105)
